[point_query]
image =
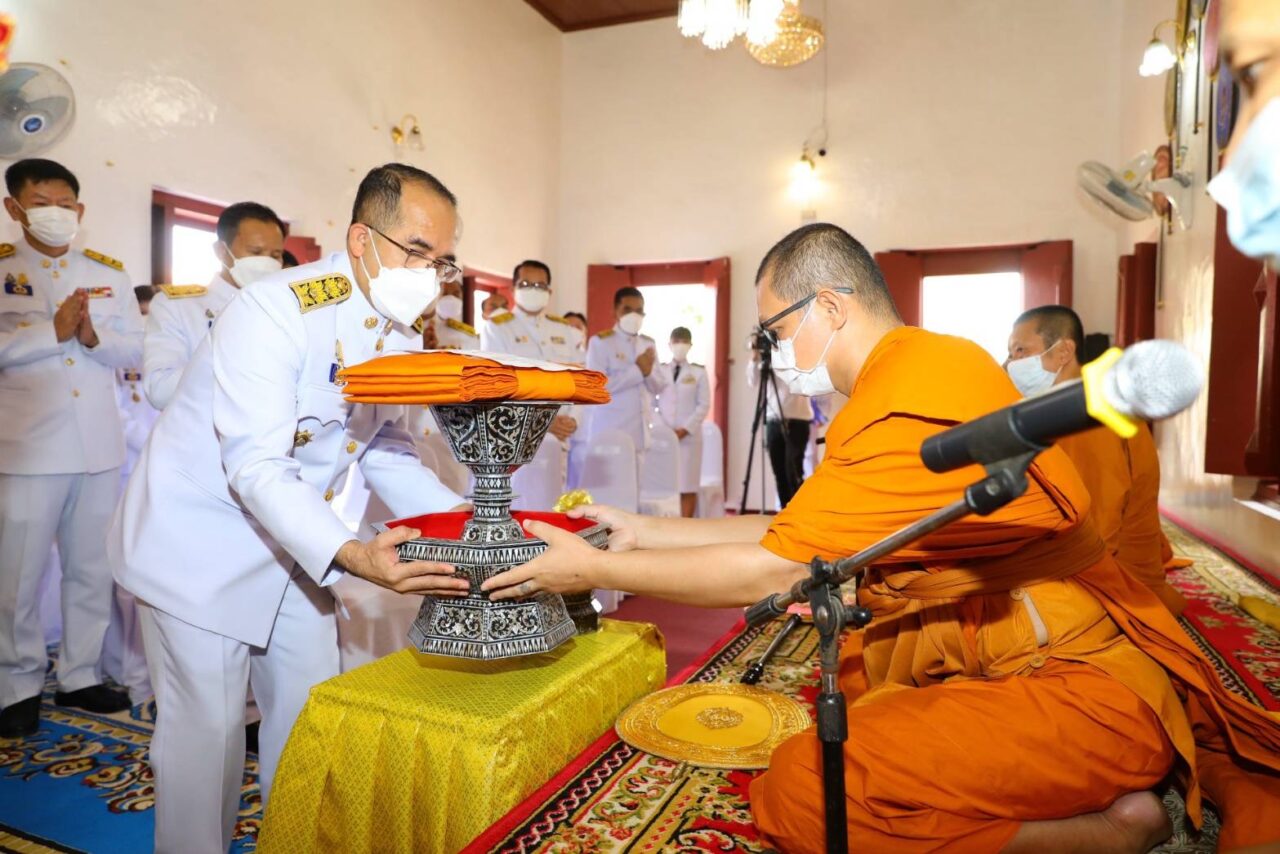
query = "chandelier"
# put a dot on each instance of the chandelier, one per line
(777, 34)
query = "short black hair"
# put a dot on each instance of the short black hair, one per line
(529, 262)
(144, 293)
(231, 217)
(288, 259)
(622, 293)
(576, 314)
(1095, 344)
(377, 201)
(825, 255)
(36, 170)
(682, 333)
(1054, 323)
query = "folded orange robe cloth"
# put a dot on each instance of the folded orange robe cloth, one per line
(440, 377)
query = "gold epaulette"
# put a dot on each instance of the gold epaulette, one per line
(502, 318)
(558, 319)
(604, 334)
(419, 325)
(103, 259)
(321, 291)
(461, 327)
(7, 249)
(183, 291)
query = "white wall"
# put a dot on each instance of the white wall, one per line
(955, 123)
(289, 103)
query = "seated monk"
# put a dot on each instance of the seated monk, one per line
(1017, 690)
(1121, 475)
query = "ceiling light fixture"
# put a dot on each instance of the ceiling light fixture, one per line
(408, 132)
(799, 38)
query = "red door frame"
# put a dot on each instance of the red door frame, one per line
(478, 280)
(604, 279)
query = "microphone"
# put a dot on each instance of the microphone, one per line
(1148, 381)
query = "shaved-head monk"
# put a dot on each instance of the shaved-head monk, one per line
(1121, 475)
(1017, 690)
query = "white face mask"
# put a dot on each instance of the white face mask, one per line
(532, 300)
(631, 323)
(1029, 374)
(810, 382)
(680, 351)
(52, 225)
(398, 292)
(1249, 187)
(249, 269)
(449, 307)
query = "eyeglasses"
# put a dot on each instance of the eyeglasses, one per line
(771, 335)
(540, 286)
(446, 271)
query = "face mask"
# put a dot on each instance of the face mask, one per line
(449, 307)
(249, 269)
(631, 323)
(810, 382)
(680, 351)
(400, 293)
(1030, 376)
(1249, 187)
(532, 300)
(52, 225)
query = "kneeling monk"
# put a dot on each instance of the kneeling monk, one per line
(1121, 475)
(1017, 689)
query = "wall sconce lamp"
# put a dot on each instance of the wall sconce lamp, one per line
(408, 131)
(1159, 57)
(805, 184)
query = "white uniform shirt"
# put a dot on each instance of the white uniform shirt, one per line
(537, 336)
(136, 414)
(685, 400)
(59, 399)
(455, 335)
(784, 404)
(613, 353)
(181, 316)
(232, 490)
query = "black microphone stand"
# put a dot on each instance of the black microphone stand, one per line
(1006, 480)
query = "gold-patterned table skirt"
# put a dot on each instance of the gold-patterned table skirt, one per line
(420, 753)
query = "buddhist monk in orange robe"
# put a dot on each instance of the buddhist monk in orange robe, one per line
(1017, 690)
(1122, 476)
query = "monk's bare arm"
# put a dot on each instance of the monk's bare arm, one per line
(722, 575)
(634, 531)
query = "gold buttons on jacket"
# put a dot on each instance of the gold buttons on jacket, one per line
(328, 495)
(351, 447)
(70, 361)
(370, 322)
(75, 392)
(1017, 593)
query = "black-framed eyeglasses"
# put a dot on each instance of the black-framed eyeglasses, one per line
(446, 270)
(771, 334)
(525, 283)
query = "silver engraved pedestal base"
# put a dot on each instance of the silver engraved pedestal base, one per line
(493, 440)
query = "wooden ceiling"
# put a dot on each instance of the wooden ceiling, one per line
(570, 15)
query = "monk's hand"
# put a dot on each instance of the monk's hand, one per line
(624, 528)
(563, 426)
(379, 562)
(565, 567)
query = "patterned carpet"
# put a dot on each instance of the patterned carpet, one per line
(82, 783)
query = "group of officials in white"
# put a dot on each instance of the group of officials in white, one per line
(227, 399)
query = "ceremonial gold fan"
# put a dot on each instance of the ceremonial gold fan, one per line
(720, 725)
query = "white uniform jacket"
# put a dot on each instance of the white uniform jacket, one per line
(232, 490)
(614, 353)
(59, 399)
(181, 316)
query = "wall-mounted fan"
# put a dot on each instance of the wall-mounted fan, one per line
(1128, 192)
(37, 107)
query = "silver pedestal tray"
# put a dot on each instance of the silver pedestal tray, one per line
(493, 440)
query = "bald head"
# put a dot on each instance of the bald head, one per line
(822, 255)
(378, 197)
(1054, 323)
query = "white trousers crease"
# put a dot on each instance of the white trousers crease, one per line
(201, 680)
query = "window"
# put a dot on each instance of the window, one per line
(193, 260)
(690, 306)
(980, 306)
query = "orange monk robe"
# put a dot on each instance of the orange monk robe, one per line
(1123, 479)
(1014, 672)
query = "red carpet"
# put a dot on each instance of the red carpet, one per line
(689, 631)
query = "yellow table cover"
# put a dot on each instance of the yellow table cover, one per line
(420, 753)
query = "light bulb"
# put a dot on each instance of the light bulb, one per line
(762, 21)
(804, 180)
(693, 18)
(1157, 59)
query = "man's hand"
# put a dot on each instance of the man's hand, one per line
(86, 333)
(681, 432)
(66, 321)
(429, 339)
(624, 528)
(378, 561)
(645, 361)
(563, 426)
(565, 567)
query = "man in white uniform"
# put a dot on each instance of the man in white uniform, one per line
(443, 328)
(628, 359)
(225, 533)
(68, 322)
(530, 331)
(250, 246)
(683, 405)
